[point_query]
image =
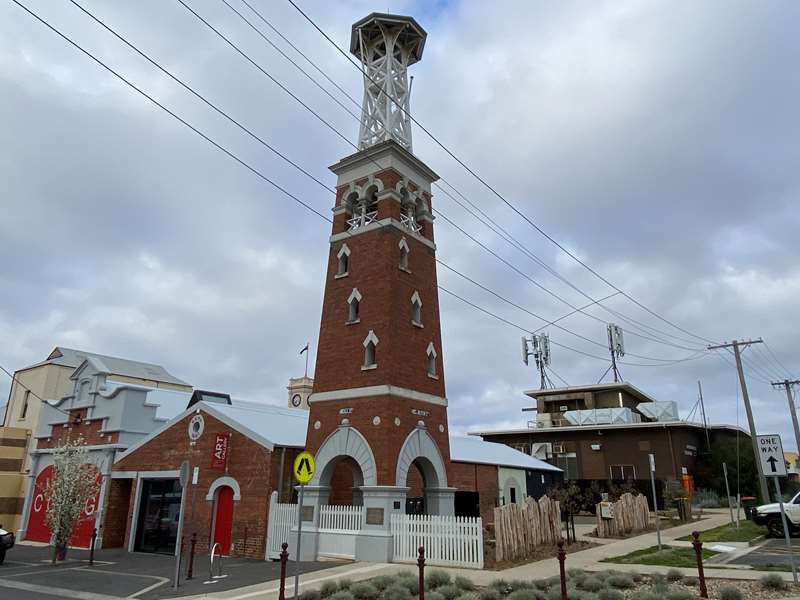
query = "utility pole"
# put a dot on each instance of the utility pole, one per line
(746, 397)
(788, 385)
(703, 410)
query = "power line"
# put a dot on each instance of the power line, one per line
(780, 364)
(15, 379)
(492, 189)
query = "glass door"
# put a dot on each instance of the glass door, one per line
(159, 511)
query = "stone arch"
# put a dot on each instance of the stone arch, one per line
(221, 482)
(346, 441)
(419, 446)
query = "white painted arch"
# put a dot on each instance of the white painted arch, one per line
(222, 482)
(346, 441)
(420, 445)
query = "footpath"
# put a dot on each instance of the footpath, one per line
(589, 559)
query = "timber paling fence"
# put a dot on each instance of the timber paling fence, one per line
(631, 513)
(448, 541)
(521, 528)
(341, 518)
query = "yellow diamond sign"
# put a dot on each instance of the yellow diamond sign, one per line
(304, 467)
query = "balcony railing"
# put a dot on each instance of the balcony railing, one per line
(362, 219)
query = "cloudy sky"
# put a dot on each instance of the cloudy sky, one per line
(657, 141)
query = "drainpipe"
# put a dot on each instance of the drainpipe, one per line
(280, 475)
(671, 452)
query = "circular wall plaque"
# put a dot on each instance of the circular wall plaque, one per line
(196, 426)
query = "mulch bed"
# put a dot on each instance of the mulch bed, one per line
(541, 553)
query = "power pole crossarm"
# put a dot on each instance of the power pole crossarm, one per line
(737, 346)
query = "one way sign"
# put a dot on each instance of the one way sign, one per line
(770, 451)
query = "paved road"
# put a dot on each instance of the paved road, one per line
(770, 553)
(27, 574)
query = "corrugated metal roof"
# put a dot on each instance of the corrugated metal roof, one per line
(278, 425)
(69, 357)
(476, 450)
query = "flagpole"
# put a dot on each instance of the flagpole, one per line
(306, 373)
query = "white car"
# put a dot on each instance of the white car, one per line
(770, 516)
(6, 542)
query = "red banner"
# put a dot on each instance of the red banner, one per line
(219, 455)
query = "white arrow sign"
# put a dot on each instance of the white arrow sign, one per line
(770, 452)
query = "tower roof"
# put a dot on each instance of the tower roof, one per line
(412, 37)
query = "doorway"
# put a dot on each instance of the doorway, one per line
(223, 519)
(159, 512)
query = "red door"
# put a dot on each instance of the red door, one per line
(223, 520)
(37, 527)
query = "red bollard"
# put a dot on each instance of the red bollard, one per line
(284, 558)
(190, 569)
(91, 548)
(562, 556)
(421, 564)
(698, 551)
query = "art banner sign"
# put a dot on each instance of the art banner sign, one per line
(219, 454)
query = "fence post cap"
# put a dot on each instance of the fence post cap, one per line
(284, 545)
(696, 536)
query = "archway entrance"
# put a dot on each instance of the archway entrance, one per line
(420, 468)
(223, 519)
(415, 497)
(345, 482)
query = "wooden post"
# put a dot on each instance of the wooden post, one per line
(190, 569)
(284, 557)
(698, 551)
(562, 555)
(421, 564)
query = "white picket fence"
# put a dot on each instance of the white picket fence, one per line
(279, 525)
(448, 541)
(341, 518)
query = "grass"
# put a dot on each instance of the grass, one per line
(726, 533)
(669, 556)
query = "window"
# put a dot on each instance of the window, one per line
(343, 261)
(567, 461)
(431, 352)
(621, 472)
(416, 310)
(370, 346)
(25, 399)
(353, 306)
(403, 255)
(513, 495)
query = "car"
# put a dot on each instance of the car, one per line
(769, 515)
(6, 542)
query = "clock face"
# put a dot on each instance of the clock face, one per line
(296, 400)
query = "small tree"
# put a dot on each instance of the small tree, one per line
(73, 483)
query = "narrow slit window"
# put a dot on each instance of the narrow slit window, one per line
(403, 264)
(354, 306)
(431, 353)
(416, 310)
(369, 354)
(343, 261)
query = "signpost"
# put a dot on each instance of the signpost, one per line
(655, 499)
(770, 454)
(184, 481)
(303, 472)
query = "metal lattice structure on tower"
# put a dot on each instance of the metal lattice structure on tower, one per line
(386, 45)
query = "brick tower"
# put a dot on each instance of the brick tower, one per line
(378, 402)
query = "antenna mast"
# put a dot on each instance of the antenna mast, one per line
(538, 346)
(616, 345)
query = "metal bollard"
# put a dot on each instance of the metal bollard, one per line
(284, 557)
(91, 547)
(421, 564)
(190, 568)
(562, 556)
(698, 551)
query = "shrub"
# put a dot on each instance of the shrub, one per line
(436, 579)
(345, 583)
(381, 582)
(487, 594)
(620, 581)
(310, 595)
(465, 596)
(590, 584)
(679, 594)
(773, 581)
(554, 593)
(519, 584)
(396, 592)
(728, 592)
(674, 575)
(610, 594)
(524, 594)
(406, 573)
(341, 595)
(657, 579)
(646, 595)
(464, 583)
(450, 592)
(410, 583)
(689, 580)
(542, 584)
(364, 591)
(583, 595)
(637, 577)
(434, 596)
(329, 588)
(500, 585)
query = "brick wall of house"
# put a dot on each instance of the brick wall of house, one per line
(471, 477)
(116, 512)
(248, 462)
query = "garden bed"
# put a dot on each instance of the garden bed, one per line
(540, 553)
(581, 585)
(668, 556)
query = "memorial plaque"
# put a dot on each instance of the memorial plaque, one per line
(308, 513)
(374, 516)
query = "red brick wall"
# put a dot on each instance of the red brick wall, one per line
(248, 462)
(78, 426)
(116, 512)
(470, 477)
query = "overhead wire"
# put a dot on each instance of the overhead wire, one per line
(16, 380)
